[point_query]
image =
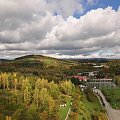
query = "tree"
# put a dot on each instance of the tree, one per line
(15, 83)
(27, 96)
(53, 110)
(8, 117)
(32, 113)
(54, 90)
(117, 80)
(25, 83)
(75, 81)
(94, 117)
(4, 80)
(20, 114)
(36, 96)
(0, 81)
(73, 116)
(43, 99)
(67, 87)
(75, 105)
(51, 105)
(41, 83)
(44, 115)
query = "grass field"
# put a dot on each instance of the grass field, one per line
(64, 110)
(112, 96)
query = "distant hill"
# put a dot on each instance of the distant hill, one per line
(3, 60)
(33, 57)
(92, 60)
(47, 61)
(43, 66)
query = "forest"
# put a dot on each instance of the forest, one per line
(32, 98)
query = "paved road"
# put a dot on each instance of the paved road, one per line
(112, 113)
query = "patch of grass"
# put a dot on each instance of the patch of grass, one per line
(64, 110)
(112, 96)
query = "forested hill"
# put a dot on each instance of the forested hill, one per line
(34, 57)
(39, 65)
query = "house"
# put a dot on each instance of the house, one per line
(108, 82)
(102, 80)
(88, 74)
(98, 66)
(81, 78)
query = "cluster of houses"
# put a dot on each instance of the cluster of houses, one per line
(90, 80)
(85, 76)
(108, 82)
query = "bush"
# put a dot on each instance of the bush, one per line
(94, 117)
(90, 96)
(83, 118)
(108, 99)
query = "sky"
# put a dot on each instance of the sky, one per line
(60, 28)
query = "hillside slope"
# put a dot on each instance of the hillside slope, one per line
(39, 65)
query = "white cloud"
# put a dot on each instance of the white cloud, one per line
(28, 27)
(97, 29)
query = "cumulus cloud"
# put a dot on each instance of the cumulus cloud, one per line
(97, 30)
(48, 27)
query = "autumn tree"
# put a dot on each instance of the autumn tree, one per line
(27, 96)
(36, 96)
(67, 87)
(4, 80)
(15, 83)
(54, 90)
(117, 80)
(75, 105)
(32, 113)
(43, 98)
(41, 83)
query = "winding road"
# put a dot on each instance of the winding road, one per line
(112, 113)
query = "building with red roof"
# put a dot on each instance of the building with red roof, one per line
(81, 78)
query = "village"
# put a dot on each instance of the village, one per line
(91, 79)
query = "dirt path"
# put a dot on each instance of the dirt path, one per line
(68, 114)
(112, 113)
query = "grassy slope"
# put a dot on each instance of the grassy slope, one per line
(88, 108)
(113, 96)
(64, 110)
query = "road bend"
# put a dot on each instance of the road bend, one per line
(112, 113)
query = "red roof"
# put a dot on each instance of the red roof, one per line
(80, 77)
